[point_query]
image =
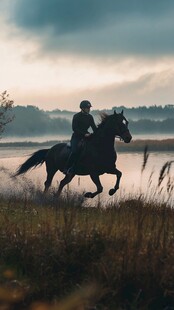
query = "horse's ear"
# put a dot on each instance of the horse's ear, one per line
(115, 112)
(122, 112)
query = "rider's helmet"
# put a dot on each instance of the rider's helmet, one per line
(85, 104)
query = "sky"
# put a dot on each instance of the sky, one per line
(55, 53)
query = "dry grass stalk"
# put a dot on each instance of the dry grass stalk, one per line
(145, 158)
(164, 171)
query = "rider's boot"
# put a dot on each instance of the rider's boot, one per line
(70, 165)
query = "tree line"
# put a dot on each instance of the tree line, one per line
(134, 113)
(31, 121)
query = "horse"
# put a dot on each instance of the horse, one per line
(97, 157)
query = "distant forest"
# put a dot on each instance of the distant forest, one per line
(31, 121)
(144, 112)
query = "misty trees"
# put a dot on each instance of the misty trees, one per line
(31, 121)
(5, 110)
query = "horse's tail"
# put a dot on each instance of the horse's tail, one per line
(36, 159)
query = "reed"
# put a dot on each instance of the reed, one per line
(145, 158)
(48, 251)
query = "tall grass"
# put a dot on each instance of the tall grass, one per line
(59, 254)
(126, 250)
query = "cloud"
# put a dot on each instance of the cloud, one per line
(149, 89)
(97, 27)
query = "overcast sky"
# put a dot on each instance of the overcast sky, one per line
(54, 53)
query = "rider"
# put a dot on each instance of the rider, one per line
(80, 125)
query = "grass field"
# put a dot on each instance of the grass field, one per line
(121, 257)
(61, 255)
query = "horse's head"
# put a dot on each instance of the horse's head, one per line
(118, 125)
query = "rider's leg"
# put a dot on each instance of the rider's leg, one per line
(73, 158)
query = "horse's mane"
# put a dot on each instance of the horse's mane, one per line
(103, 117)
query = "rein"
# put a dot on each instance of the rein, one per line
(118, 137)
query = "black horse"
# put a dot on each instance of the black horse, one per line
(98, 156)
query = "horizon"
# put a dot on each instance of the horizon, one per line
(93, 110)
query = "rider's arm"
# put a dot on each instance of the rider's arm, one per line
(93, 125)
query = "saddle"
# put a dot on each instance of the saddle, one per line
(82, 145)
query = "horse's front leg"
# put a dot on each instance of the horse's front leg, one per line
(118, 174)
(96, 180)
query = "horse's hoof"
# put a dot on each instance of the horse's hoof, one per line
(88, 195)
(112, 191)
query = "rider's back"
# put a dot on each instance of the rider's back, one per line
(81, 122)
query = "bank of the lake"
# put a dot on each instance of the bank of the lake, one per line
(165, 145)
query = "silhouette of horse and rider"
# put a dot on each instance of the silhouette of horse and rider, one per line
(90, 154)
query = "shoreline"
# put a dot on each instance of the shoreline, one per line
(165, 145)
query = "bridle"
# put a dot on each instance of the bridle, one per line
(126, 124)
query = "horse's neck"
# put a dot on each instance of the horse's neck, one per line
(104, 138)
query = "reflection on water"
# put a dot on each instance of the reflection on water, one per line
(129, 163)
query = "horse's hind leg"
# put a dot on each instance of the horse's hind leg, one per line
(50, 175)
(67, 179)
(96, 180)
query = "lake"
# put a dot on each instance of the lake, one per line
(58, 137)
(133, 182)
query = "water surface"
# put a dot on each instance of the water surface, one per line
(58, 137)
(133, 180)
